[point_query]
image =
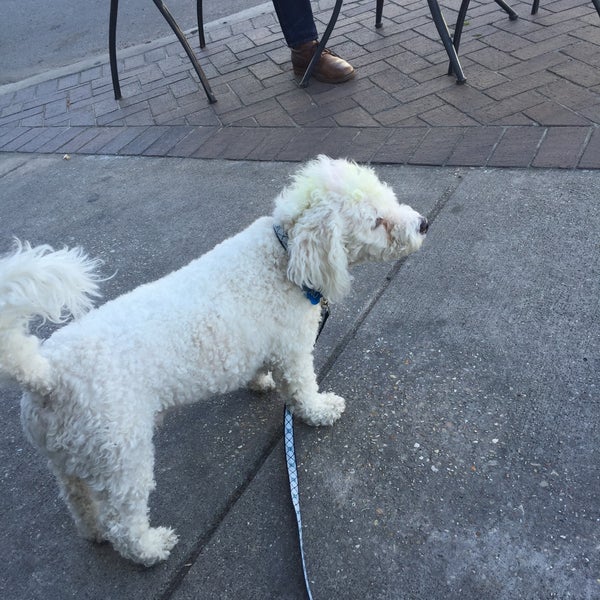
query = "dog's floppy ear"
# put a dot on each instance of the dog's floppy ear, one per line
(317, 254)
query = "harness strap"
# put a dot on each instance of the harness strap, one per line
(313, 295)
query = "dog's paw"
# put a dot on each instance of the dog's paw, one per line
(155, 545)
(326, 409)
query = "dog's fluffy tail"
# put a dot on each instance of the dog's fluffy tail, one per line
(39, 282)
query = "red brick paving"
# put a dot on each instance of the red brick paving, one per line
(532, 97)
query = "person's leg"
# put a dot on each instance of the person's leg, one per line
(298, 27)
(296, 21)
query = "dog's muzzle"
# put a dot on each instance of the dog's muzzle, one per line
(423, 226)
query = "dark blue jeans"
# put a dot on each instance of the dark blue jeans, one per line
(296, 21)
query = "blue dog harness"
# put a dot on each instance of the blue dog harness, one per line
(313, 295)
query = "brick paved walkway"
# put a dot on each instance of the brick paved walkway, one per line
(532, 96)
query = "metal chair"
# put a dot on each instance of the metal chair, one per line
(112, 51)
(450, 43)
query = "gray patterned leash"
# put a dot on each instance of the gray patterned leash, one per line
(290, 458)
(315, 297)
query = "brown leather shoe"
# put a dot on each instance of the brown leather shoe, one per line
(330, 68)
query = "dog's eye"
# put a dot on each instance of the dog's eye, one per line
(378, 222)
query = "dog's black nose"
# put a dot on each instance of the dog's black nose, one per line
(423, 226)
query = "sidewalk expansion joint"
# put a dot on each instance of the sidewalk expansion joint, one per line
(189, 561)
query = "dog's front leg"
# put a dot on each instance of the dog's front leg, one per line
(296, 380)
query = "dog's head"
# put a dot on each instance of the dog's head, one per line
(337, 214)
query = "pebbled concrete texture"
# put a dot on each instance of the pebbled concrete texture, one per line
(476, 386)
(466, 465)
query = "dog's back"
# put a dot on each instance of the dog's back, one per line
(197, 331)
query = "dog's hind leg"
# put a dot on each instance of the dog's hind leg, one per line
(79, 498)
(295, 378)
(123, 510)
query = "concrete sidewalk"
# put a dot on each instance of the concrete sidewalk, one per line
(466, 465)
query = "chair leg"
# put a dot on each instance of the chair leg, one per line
(200, 24)
(378, 13)
(460, 21)
(112, 47)
(173, 24)
(512, 15)
(444, 34)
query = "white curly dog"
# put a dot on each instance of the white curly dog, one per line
(93, 389)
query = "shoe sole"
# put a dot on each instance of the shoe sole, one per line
(300, 73)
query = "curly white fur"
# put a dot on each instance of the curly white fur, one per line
(92, 390)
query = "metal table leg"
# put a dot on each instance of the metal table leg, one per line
(321, 46)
